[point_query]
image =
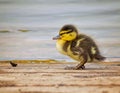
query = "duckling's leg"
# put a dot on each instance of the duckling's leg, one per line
(83, 57)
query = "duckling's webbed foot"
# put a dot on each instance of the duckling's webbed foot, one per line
(69, 68)
(81, 67)
(74, 68)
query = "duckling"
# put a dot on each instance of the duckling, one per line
(79, 47)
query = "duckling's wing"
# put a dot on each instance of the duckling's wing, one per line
(87, 44)
(92, 49)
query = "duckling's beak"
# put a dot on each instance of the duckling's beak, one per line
(57, 37)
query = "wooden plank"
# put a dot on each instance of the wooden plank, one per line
(52, 78)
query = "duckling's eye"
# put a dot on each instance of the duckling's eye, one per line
(69, 31)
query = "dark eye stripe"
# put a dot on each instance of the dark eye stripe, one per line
(66, 32)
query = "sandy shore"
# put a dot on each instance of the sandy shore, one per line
(49, 76)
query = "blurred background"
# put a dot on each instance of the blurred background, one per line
(28, 26)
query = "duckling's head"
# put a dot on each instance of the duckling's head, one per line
(67, 32)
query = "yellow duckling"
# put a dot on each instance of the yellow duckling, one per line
(80, 47)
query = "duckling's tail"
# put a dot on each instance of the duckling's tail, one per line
(100, 57)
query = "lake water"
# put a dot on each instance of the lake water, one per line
(99, 19)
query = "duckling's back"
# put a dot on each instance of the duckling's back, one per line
(88, 45)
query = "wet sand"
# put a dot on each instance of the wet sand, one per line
(49, 76)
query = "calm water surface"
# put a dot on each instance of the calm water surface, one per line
(99, 19)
